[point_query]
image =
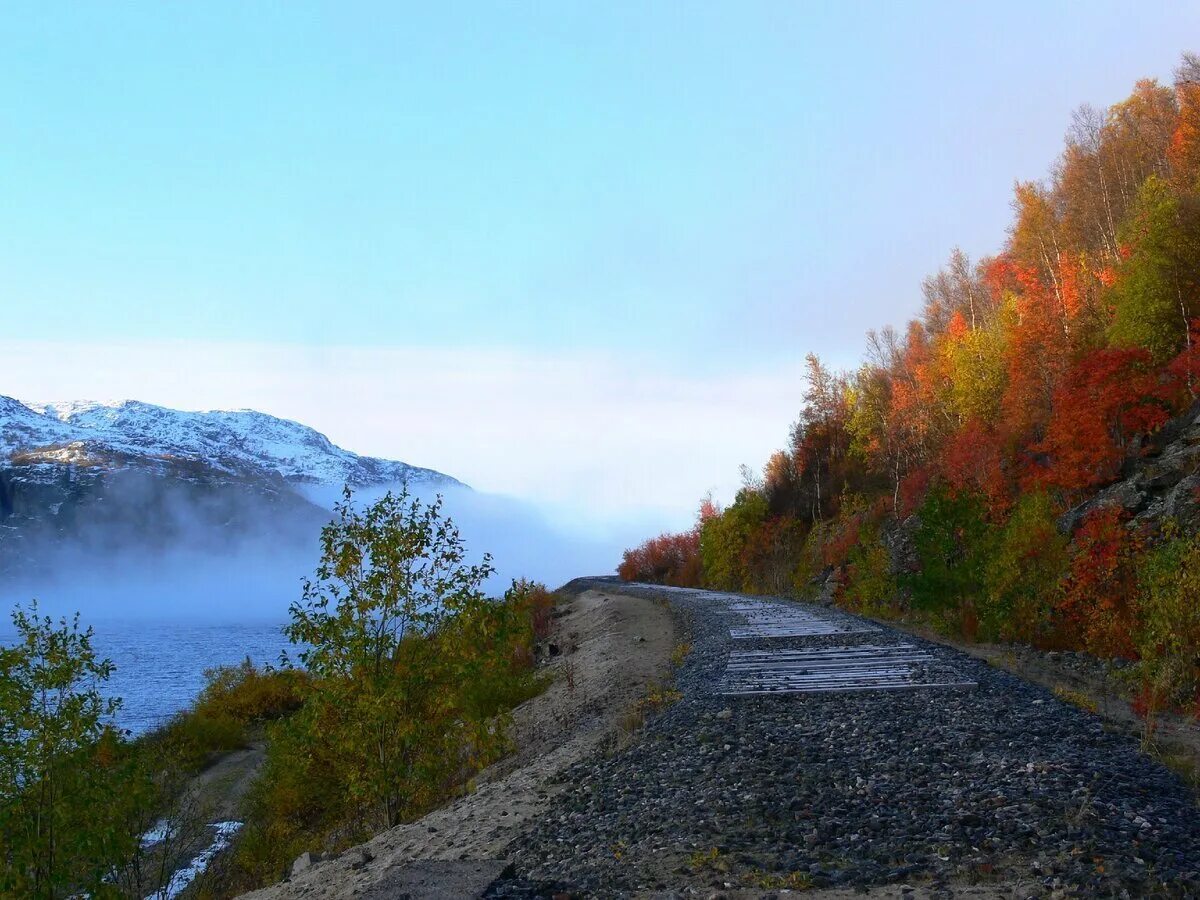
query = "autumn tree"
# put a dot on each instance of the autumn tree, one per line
(725, 542)
(1107, 400)
(1157, 292)
(819, 438)
(387, 700)
(1184, 151)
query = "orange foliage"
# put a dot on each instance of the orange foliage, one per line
(770, 553)
(667, 559)
(1034, 358)
(1107, 398)
(1184, 149)
(958, 328)
(1098, 607)
(973, 460)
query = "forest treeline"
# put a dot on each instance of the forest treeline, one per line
(932, 481)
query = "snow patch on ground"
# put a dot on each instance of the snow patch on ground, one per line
(223, 837)
(159, 832)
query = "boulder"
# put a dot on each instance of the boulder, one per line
(304, 862)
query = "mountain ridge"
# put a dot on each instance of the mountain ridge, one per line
(112, 478)
(233, 442)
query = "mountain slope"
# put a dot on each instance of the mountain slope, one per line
(109, 479)
(242, 442)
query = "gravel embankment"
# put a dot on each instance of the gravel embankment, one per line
(1002, 785)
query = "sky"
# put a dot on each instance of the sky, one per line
(564, 252)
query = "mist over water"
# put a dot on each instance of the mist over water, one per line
(523, 540)
(166, 611)
(253, 578)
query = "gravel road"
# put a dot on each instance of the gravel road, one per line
(1001, 787)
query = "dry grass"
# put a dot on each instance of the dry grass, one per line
(680, 653)
(1179, 760)
(1077, 698)
(791, 881)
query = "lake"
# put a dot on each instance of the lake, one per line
(160, 665)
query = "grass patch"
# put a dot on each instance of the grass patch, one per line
(1077, 698)
(680, 653)
(790, 881)
(708, 860)
(1180, 761)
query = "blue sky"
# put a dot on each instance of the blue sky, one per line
(218, 204)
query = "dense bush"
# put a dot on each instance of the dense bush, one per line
(725, 541)
(1098, 609)
(1027, 562)
(672, 559)
(870, 586)
(953, 545)
(1168, 629)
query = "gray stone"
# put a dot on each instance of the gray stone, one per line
(431, 879)
(304, 862)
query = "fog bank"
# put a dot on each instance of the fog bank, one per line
(254, 576)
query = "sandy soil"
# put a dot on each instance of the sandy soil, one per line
(612, 647)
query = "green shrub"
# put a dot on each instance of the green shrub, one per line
(248, 694)
(953, 544)
(61, 800)
(1022, 573)
(234, 703)
(1168, 633)
(725, 539)
(870, 586)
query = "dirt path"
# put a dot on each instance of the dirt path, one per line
(611, 649)
(819, 751)
(221, 788)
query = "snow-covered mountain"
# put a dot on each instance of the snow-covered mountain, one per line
(107, 480)
(240, 443)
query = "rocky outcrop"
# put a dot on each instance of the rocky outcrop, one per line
(900, 539)
(1162, 483)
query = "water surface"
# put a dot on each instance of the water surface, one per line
(160, 665)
